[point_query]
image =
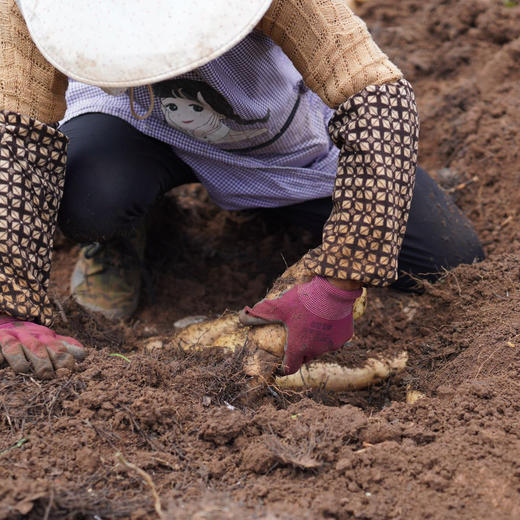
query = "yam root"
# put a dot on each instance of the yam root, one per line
(265, 346)
(338, 378)
(210, 333)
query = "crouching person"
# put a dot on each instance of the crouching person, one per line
(288, 106)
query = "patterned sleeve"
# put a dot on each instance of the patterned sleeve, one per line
(32, 175)
(377, 133)
(375, 126)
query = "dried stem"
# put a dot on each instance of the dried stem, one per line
(146, 477)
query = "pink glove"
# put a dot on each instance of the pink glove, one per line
(23, 344)
(317, 316)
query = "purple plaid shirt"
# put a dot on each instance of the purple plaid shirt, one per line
(253, 134)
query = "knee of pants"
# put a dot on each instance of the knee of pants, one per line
(468, 249)
(114, 174)
(93, 218)
(98, 201)
(104, 193)
(456, 244)
(459, 246)
(438, 237)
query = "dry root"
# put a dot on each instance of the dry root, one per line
(265, 346)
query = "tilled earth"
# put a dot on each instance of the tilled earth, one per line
(215, 451)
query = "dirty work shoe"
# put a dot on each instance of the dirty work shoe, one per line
(107, 277)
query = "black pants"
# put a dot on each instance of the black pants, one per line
(115, 173)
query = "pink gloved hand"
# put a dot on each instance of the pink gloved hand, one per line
(24, 344)
(316, 314)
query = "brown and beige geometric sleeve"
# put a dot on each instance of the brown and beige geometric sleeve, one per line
(375, 126)
(377, 132)
(32, 173)
(329, 45)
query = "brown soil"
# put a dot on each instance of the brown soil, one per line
(185, 419)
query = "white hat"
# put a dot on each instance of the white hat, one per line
(128, 43)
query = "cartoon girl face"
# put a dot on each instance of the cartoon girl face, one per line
(188, 115)
(200, 120)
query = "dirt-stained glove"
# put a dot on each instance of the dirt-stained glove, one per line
(316, 314)
(24, 345)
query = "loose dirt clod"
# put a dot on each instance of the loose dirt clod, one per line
(412, 396)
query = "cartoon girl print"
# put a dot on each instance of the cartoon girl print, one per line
(196, 108)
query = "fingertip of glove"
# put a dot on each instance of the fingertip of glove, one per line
(289, 371)
(61, 359)
(77, 350)
(44, 372)
(291, 366)
(246, 318)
